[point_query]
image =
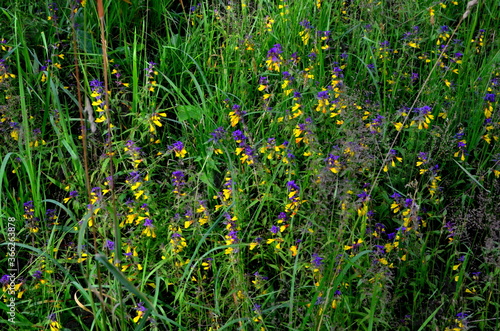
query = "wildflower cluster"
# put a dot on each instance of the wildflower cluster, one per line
(178, 181)
(154, 121)
(98, 101)
(178, 149)
(151, 73)
(491, 122)
(422, 118)
(32, 222)
(294, 200)
(232, 233)
(306, 33)
(243, 148)
(177, 241)
(236, 115)
(274, 58)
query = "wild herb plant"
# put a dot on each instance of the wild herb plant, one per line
(261, 165)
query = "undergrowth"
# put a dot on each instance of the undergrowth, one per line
(262, 165)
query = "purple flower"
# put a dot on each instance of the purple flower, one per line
(424, 110)
(218, 134)
(490, 97)
(50, 214)
(134, 177)
(5, 279)
(408, 203)
(140, 307)
(283, 216)
(96, 83)
(330, 160)
(193, 8)
(110, 245)
(450, 227)
(287, 76)
(396, 196)
(379, 249)
(337, 70)
(364, 196)
(239, 136)
(263, 81)
(274, 53)
(379, 227)
(177, 146)
(324, 34)
(422, 156)
(306, 24)
(178, 180)
(317, 260)
(323, 95)
(292, 186)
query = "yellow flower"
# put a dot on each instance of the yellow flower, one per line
(138, 317)
(55, 326)
(398, 126)
(305, 36)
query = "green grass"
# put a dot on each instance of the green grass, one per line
(260, 165)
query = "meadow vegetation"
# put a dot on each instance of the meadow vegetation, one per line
(250, 165)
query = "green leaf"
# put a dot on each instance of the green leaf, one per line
(472, 177)
(186, 112)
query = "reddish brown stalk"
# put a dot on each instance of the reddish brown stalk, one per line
(83, 128)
